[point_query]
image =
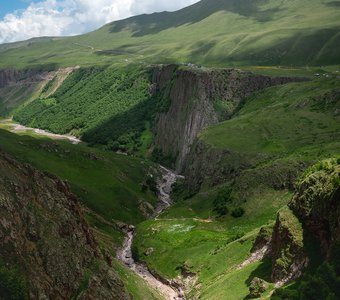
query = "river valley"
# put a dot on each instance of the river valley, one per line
(169, 290)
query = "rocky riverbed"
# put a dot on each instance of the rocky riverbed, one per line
(168, 289)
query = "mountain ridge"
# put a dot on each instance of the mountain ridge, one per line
(211, 32)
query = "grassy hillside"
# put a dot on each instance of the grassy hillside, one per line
(212, 32)
(298, 119)
(192, 237)
(109, 184)
(210, 233)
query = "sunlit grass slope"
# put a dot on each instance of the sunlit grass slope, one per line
(212, 32)
(300, 119)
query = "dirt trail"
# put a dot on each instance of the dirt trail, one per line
(169, 291)
(20, 128)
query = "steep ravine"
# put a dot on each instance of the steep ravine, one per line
(168, 289)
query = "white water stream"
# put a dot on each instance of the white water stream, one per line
(166, 288)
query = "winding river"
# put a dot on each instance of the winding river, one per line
(166, 288)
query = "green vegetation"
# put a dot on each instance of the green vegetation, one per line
(107, 183)
(222, 199)
(12, 283)
(296, 119)
(238, 212)
(107, 106)
(328, 166)
(281, 130)
(192, 236)
(290, 221)
(110, 106)
(210, 32)
(275, 134)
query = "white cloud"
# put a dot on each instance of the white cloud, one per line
(70, 17)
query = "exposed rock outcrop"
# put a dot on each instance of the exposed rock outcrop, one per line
(10, 77)
(18, 86)
(317, 204)
(263, 239)
(288, 254)
(199, 98)
(210, 166)
(43, 232)
(315, 210)
(257, 287)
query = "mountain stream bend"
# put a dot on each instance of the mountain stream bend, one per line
(168, 289)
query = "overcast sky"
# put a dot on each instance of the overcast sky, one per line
(24, 19)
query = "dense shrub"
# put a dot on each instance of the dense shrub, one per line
(223, 198)
(151, 183)
(238, 212)
(102, 105)
(12, 285)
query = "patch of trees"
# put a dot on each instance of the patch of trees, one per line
(223, 200)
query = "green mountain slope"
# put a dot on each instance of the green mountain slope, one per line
(244, 170)
(215, 32)
(108, 183)
(283, 120)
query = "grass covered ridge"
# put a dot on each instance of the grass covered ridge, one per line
(211, 32)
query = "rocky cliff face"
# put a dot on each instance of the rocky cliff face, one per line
(13, 76)
(315, 210)
(317, 204)
(44, 234)
(288, 254)
(17, 86)
(209, 166)
(199, 98)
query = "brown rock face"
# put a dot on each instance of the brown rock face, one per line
(199, 98)
(13, 76)
(42, 230)
(17, 86)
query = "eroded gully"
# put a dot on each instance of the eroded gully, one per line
(170, 290)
